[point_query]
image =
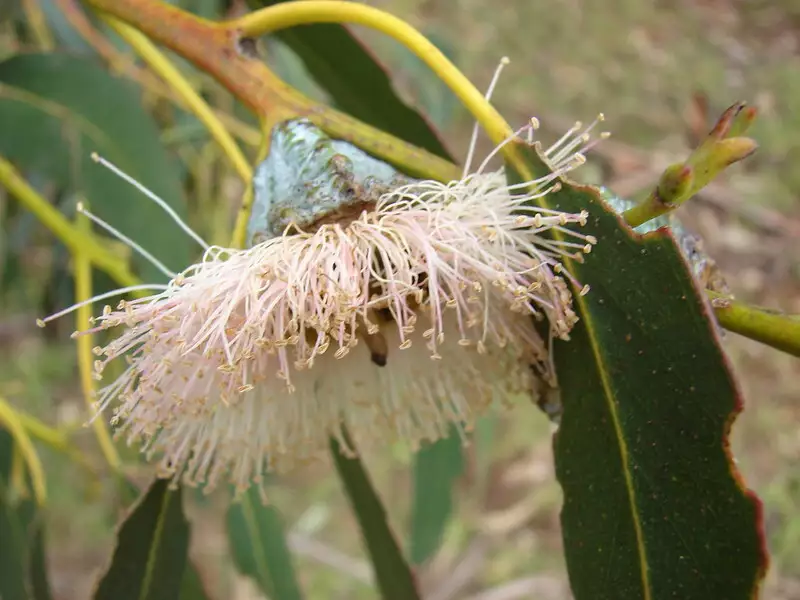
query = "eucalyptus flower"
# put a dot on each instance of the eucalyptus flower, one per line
(368, 302)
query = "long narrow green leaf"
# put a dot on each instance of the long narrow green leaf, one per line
(152, 546)
(356, 81)
(436, 469)
(653, 505)
(37, 565)
(192, 586)
(23, 572)
(392, 573)
(258, 543)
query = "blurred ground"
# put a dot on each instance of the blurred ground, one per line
(644, 64)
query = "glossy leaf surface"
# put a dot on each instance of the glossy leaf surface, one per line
(653, 505)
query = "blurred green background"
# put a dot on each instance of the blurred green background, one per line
(651, 67)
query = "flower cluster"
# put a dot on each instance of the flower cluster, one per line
(394, 323)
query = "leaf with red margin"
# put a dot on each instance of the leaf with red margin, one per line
(653, 504)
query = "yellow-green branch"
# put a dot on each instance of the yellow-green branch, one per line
(291, 14)
(124, 64)
(70, 236)
(239, 235)
(54, 438)
(83, 291)
(214, 48)
(175, 79)
(770, 328)
(15, 427)
(722, 147)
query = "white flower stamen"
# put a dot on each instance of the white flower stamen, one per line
(575, 143)
(155, 198)
(473, 141)
(104, 296)
(126, 240)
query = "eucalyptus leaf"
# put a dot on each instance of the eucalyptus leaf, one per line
(436, 469)
(23, 570)
(653, 504)
(393, 575)
(151, 552)
(55, 110)
(192, 586)
(258, 544)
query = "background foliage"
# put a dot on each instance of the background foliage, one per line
(504, 541)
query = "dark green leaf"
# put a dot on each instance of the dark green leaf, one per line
(291, 69)
(356, 81)
(653, 506)
(37, 567)
(152, 544)
(392, 573)
(258, 543)
(55, 110)
(192, 587)
(23, 569)
(436, 469)
(435, 99)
